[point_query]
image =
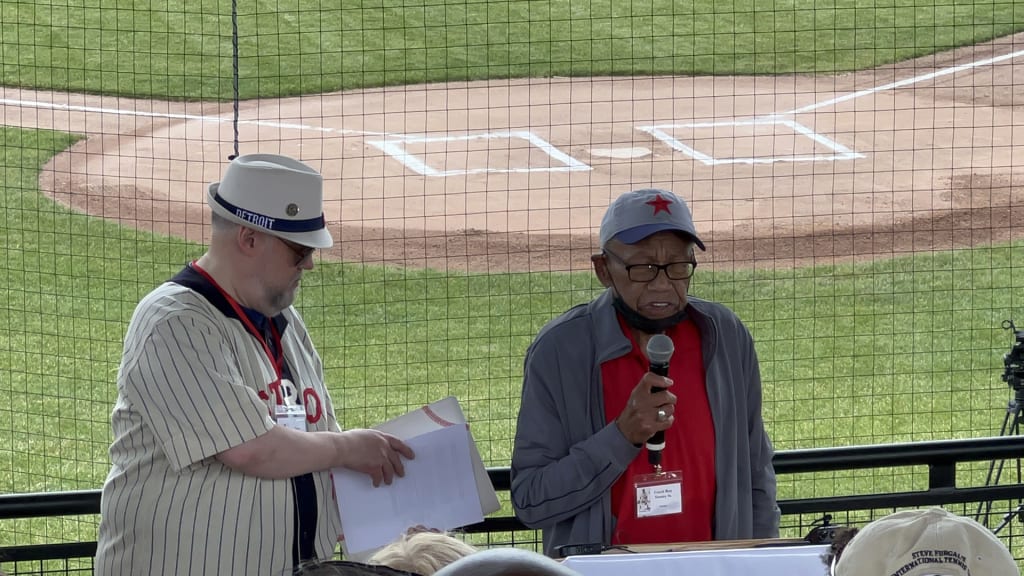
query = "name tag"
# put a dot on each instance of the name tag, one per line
(293, 417)
(659, 494)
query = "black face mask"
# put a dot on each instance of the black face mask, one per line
(637, 321)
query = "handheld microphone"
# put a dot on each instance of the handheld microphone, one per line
(659, 351)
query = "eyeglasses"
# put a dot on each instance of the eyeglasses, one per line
(301, 252)
(648, 272)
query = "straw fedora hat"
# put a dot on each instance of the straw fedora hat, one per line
(273, 194)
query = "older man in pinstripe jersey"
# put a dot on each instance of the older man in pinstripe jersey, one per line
(224, 433)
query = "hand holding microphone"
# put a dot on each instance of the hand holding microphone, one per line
(651, 407)
(659, 352)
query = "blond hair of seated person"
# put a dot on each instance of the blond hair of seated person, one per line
(422, 552)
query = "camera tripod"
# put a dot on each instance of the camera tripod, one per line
(1013, 375)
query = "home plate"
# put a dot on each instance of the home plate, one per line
(620, 152)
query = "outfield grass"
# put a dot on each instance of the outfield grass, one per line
(182, 50)
(896, 350)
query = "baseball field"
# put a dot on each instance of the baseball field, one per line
(856, 169)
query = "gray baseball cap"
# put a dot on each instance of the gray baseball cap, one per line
(637, 214)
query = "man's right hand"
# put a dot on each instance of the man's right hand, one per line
(374, 453)
(639, 419)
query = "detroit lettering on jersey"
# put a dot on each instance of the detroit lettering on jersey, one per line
(257, 219)
(310, 400)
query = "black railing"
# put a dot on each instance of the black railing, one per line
(941, 458)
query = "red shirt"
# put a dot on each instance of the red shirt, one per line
(689, 443)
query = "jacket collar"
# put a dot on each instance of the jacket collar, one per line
(609, 341)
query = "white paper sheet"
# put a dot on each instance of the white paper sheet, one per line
(445, 412)
(438, 491)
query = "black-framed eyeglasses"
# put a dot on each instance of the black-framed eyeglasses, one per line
(301, 252)
(648, 272)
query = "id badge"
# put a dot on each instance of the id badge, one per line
(293, 417)
(658, 494)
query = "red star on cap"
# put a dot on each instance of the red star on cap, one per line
(659, 204)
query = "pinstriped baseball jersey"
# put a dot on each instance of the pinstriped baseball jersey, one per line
(192, 383)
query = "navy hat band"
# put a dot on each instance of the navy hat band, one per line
(275, 224)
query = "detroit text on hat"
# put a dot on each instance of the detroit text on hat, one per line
(257, 219)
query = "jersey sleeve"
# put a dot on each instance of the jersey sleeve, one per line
(183, 381)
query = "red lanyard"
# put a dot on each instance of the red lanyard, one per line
(275, 362)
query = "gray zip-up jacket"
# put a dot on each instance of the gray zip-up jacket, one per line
(567, 457)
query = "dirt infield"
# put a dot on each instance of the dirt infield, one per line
(515, 175)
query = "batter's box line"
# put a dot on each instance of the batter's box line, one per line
(841, 152)
(393, 147)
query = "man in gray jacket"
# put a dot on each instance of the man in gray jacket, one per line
(580, 469)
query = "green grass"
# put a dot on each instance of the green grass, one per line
(182, 50)
(888, 351)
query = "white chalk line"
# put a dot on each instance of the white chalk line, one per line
(394, 148)
(844, 152)
(905, 82)
(841, 152)
(272, 124)
(178, 116)
(572, 164)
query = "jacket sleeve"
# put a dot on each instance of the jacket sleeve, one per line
(554, 478)
(766, 510)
